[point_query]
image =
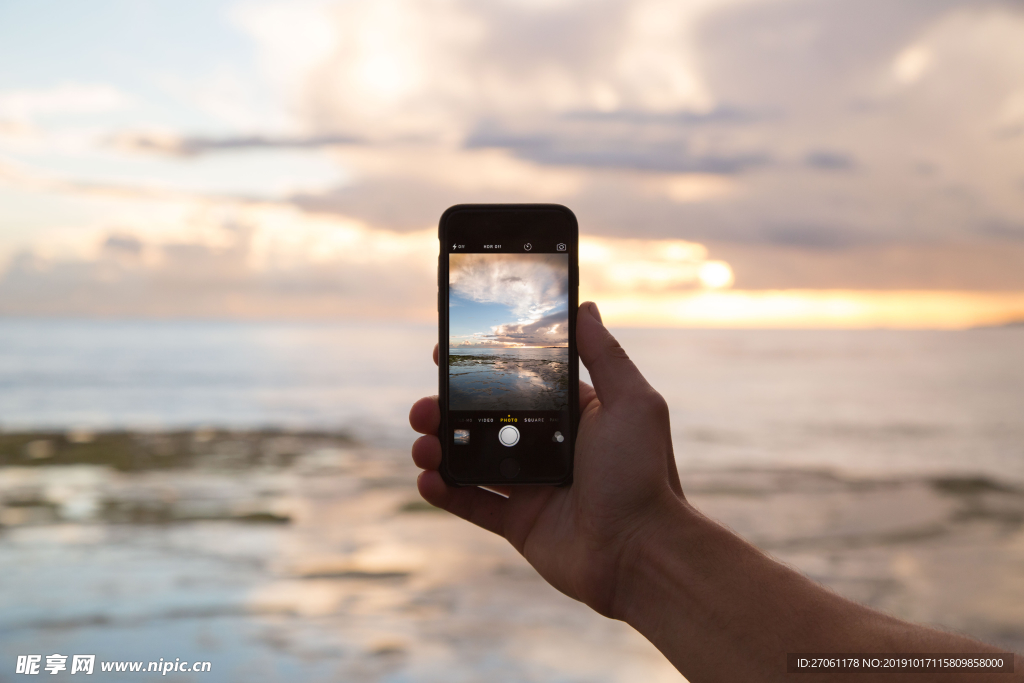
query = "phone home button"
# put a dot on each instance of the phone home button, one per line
(509, 468)
(508, 435)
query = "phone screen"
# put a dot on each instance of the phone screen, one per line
(510, 369)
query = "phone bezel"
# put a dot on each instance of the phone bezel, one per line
(537, 215)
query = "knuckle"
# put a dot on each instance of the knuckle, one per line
(655, 403)
(615, 350)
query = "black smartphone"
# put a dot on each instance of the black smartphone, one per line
(508, 281)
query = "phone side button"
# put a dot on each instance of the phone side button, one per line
(509, 468)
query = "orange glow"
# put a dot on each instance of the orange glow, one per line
(813, 309)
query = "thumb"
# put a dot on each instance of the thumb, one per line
(613, 373)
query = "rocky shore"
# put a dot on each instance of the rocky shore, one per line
(281, 555)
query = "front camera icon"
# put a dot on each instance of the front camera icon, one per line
(527, 246)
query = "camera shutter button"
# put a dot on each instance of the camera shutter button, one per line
(508, 435)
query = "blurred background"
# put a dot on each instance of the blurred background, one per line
(804, 219)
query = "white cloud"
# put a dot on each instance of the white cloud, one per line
(531, 285)
(211, 259)
(403, 68)
(551, 330)
(68, 98)
(911, 63)
(797, 126)
(757, 121)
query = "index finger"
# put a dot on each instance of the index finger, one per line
(425, 415)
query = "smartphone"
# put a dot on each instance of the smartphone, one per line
(508, 281)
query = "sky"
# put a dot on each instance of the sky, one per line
(732, 163)
(508, 300)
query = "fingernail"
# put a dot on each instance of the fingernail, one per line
(596, 313)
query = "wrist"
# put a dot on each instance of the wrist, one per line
(650, 556)
(699, 593)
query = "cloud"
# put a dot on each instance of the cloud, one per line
(530, 285)
(256, 262)
(781, 134)
(551, 330)
(720, 114)
(266, 262)
(637, 148)
(991, 265)
(802, 104)
(186, 256)
(814, 111)
(616, 265)
(28, 178)
(65, 99)
(828, 160)
(397, 202)
(190, 146)
(434, 68)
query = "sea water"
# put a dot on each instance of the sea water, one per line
(508, 379)
(883, 401)
(365, 583)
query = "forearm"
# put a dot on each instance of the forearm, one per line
(721, 610)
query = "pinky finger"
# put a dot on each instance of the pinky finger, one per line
(485, 509)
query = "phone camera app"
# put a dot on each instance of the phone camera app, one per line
(560, 247)
(461, 437)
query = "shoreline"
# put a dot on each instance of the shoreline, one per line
(135, 450)
(312, 536)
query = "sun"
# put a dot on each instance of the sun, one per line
(715, 274)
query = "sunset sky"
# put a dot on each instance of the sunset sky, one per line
(732, 163)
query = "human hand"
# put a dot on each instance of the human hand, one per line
(580, 538)
(623, 540)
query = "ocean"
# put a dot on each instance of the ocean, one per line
(508, 379)
(310, 557)
(879, 402)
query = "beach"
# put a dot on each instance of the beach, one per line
(242, 241)
(243, 494)
(281, 555)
